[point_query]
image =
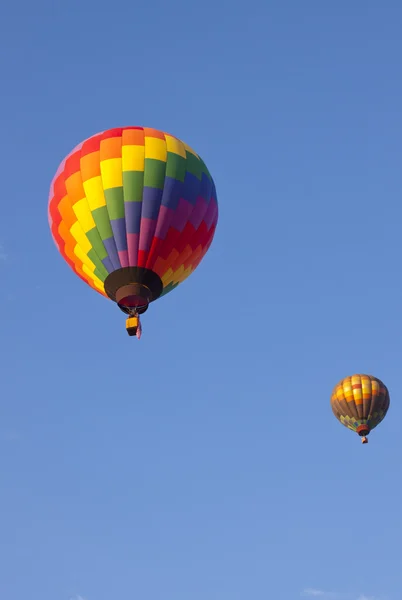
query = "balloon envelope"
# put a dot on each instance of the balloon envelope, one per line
(133, 211)
(360, 402)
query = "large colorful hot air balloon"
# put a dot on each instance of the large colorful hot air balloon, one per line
(360, 402)
(133, 212)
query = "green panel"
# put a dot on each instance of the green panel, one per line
(169, 288)
(204, 169)
(101, 218)
(193, 165)
(100, 275)
(133, 184)
(154, 175)
(115, 202)
(97, 244)
(175, 166)
(100, 270)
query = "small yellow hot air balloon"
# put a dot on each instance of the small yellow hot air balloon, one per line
(360, 403)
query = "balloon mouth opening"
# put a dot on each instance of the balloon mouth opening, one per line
(133, 298)
(133, 288)
(363, 431)
(133, 304)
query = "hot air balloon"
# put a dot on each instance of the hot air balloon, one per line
(133, 211)
(360, 402)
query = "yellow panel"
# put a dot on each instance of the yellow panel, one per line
(177, 274)
(111, 173)
(93, 277)
(133, 158)
(176, 146)
(100, 286)
(155, 148)
(94, 193)
(80, 237)
(84, 215)
(339, 393)
(84, 258)
(167, 277)
(189, 270)
(182, 274)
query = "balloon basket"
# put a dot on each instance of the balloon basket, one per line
(132, 326)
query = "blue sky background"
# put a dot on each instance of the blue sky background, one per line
(204, 462)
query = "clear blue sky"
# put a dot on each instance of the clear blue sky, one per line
(203, 462)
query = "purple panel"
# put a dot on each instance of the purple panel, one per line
(147, 233)
(199, 212)
(206, 187)
(213, 192)
(181, 215)
(172, 191)
(151, 201)
(132, 242)
(191, 189)
(132, 211)
(112, 252)
(212, 213)
(119, 233)
(165, 218)
(107, 263)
